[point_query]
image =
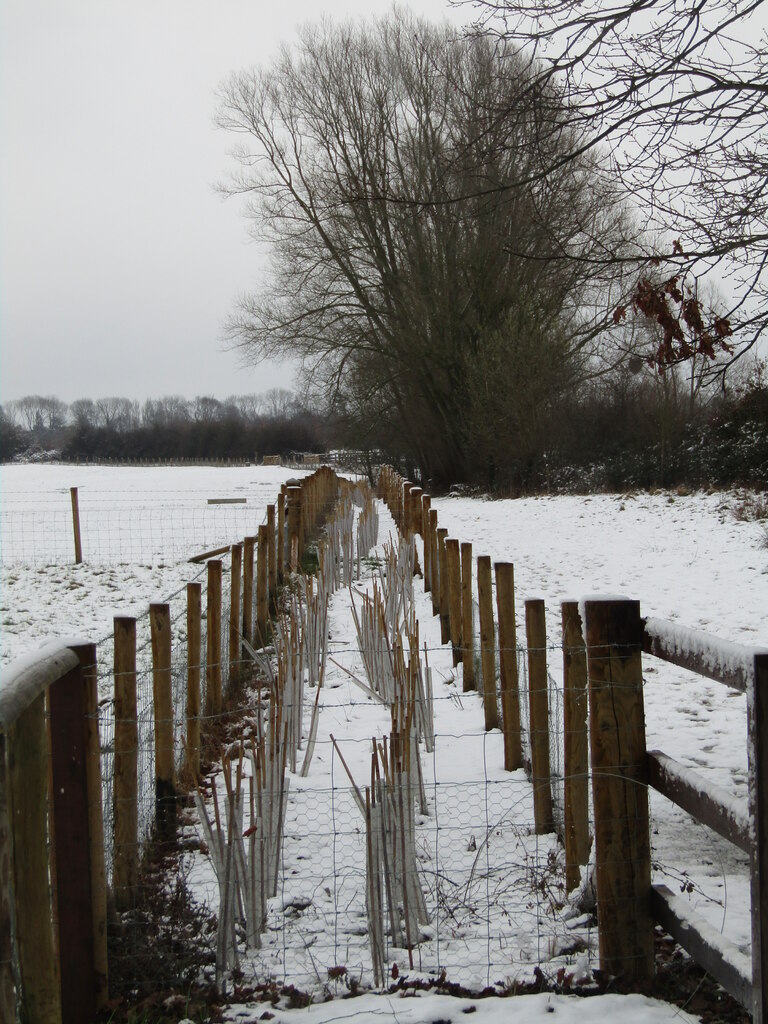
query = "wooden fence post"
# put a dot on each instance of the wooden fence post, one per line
(162, 694)
(415, 498)
(281, 535)
(293, 513)
(487, 641)
(7, 984)
(125, 869)
(757, 731)
(575, 745)
(247, 621)
(619, 787)
(434, 560)
(262, 584)
(452, 558)
(444, 589)
(87, 655)
(272, 557)
(467, 621)
(508, 679)
(194, 665)
(235, 615)
(426, 505)
(76, 525)
(536, 636)
(28, 770)
(213, 639)
(78, 846)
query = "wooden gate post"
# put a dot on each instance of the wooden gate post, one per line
(575, 745)
(162, 694)
(125, 870)
(538, 703)
(619, 787)
(7, 985)
(78, 847)
(757, 731)
(467, 621)
(487, 641)
(28, 770)
(194, 666)
(508, 678)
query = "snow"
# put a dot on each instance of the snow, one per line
(421, 1008)
(685, 558)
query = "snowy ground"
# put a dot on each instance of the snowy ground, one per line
(685, 558)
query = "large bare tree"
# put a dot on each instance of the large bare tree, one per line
(673, 96)
(378, 162)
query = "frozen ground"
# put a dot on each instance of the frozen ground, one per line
(685, 558)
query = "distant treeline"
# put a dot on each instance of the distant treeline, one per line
(273, 423)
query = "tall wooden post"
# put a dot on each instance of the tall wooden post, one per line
(76, 525)
(235, 615)
(452, 558)
(293, 515)
(125, 868)
(426, 505)
(487, 641)
(619, 787)
(272, 557)
(444, 598)
(78, 850)
(757, 733)
(248, 566)
(194, 666)
(7, 984)
(213, 639)
(28, 771)
(162, 692)
(508, 678)
(415, 499)
(281, 535)
(575, 745)
(434, 558)
(467, 623)
(262, 586)
(538, 703)
(90, 684)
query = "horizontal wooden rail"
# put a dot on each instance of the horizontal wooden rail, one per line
(23, 681)
(700, 652)
(205, 555)
(227, 501)
(717, 955)
(712, 805)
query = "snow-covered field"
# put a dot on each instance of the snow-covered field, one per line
(685, 558)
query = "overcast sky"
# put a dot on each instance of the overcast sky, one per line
(118, 261)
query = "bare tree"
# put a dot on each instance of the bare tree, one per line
(673, 96)
(353, 150)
